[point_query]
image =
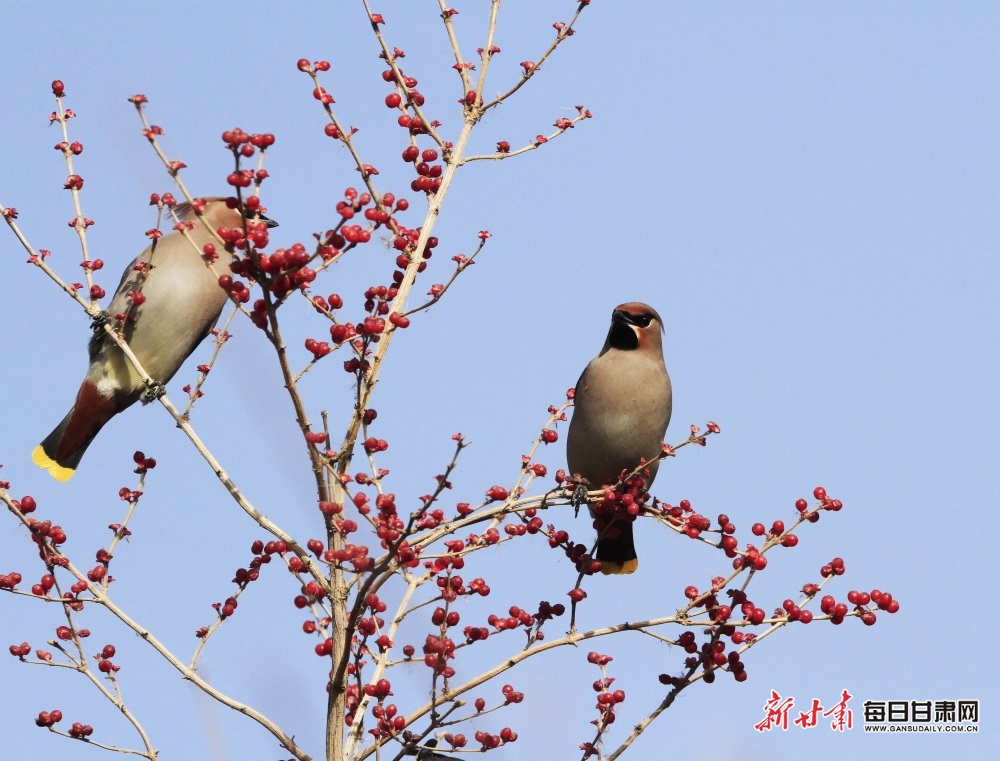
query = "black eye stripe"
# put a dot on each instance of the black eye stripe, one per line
(639, 320)
(642, 320)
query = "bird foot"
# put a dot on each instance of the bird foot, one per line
(102, 319)
(153, 391)
(579, 498)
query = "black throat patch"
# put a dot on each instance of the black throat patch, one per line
(623, 337)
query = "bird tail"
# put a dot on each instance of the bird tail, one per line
(616, 550)
(60, 452)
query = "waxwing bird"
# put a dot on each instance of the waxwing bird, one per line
(180, 302)
(621, 412)
(429, 753)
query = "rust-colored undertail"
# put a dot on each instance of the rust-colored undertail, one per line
(62, 449)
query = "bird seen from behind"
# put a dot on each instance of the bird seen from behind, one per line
(168, 301)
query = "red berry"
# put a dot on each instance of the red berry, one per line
(497, 493)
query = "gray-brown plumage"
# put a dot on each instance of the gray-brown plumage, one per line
(180, 303)
(621, 412)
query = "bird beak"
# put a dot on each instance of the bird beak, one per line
(620, 316)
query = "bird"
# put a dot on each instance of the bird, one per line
(428, 752)
(179, 301)
(622, 405)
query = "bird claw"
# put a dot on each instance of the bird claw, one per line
(153, 391)
(102, 319)
(579, 498)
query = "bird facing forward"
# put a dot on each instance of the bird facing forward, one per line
(621, 412)
(170, 299)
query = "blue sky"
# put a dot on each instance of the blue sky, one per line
(807, 194)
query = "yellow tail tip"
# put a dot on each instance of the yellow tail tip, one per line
(611, 568)
(57, 471)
